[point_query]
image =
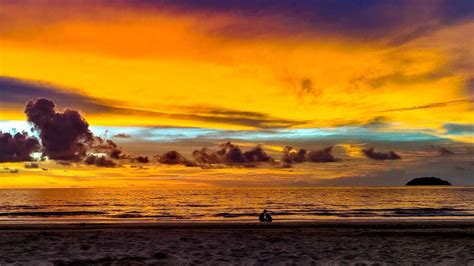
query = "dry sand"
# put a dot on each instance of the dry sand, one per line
(307, 243)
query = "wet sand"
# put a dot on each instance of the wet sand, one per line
(217, 243)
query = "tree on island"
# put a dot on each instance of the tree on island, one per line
(428, 181)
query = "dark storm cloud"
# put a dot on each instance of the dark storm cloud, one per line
(16, 92)
(372, 154)
(291, 155)
(105, 144)
(18, 147)
(206, 156)
(64, 135)
(142, 159)
(171, 157)
(257, 154)
(360, 19)
(116, 154)
(231, 154)
(174, 157)
(321, 156)
(108, 146)
(100, 161)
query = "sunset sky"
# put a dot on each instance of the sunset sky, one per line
(179, 75)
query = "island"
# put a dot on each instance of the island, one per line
(428, 181)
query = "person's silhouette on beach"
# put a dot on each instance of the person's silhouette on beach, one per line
(265, 217)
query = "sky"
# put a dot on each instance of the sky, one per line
(157, 75)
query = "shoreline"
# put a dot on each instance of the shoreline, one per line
(243, 243)
(223, 224)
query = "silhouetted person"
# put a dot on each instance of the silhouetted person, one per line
(265, 217)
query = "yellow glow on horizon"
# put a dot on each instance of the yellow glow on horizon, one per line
(153, 174)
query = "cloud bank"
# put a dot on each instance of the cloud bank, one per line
(64, 135)
(291, 155)
(100, 161)
(231, 154)
(372, 154)
(18, 147)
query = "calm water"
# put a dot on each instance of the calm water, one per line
(164, 204)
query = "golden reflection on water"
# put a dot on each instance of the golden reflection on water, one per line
(214, 203)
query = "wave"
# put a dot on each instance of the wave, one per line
(429, 212)
(136, 215)
(79, 205)
(386, 212)
(52, 213)
(197, 205)
(392, 212)
(413, 209)
(128, 215)
(234, 215)
(292, 212)
(25, 207)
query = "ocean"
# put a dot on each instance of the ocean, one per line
(234, 204)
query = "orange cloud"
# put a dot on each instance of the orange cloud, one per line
(168, 59)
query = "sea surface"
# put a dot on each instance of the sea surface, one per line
(234, 204)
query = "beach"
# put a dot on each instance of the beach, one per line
(342, 242)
